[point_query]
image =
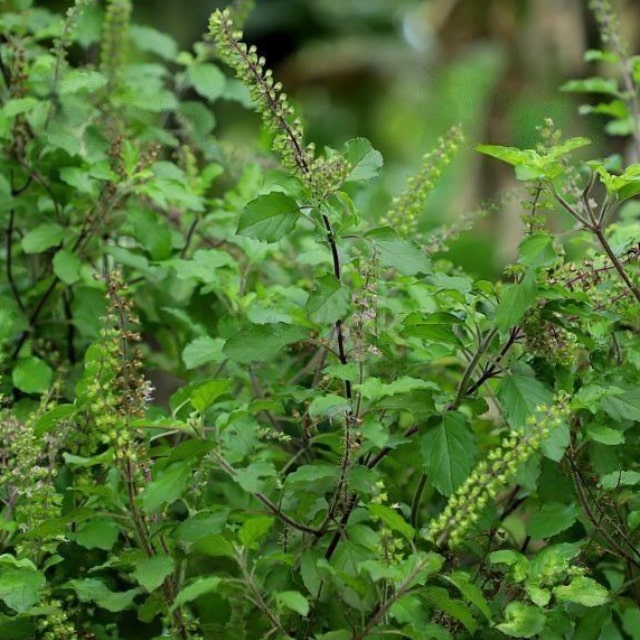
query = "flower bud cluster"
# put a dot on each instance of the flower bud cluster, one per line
(114, 41)
(56, 625)
(267, 95)
(27, 475)
(490, 476)
(321, 176)
(549, 340)
(405, 208)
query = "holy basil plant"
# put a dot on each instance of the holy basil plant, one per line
(240, 401)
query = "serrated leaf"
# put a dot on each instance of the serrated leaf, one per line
(253, 530)
(43, 237)
(440, 599)
(398, 253)
(67, 265)
(252, 477)
(151, 572)
(329, 406)
(392, 519)
(448, 452)
(521, 394)
(622, 403)
(207, 80)
(269, 218)
(81, 81)
(436, 327)
(32, 375)
(214, 545)
(536, 251)
(199, 587)
(204, 395)
(516, 299)
(592, 85)
(167, 486)
(582, 590)
(329, 301)
(617, 479)
(20, 585)
(365, 161)
(294, 601)
(552, 518)
(149, 39)
(471, 592)
(375, 389)
(94, 590)
(152, 233)
(79, 179)
(522, 621)
(262, 342)
(605, 435)
(98, 533)
(202, 351)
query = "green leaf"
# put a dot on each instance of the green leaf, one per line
(448, 452)
(375, 389)
(98, 533)
(617, 479)
(434, 327)
(552, 518)
(148, 39)
(67, 265)
(582, 590)
(151, 572)
(392, 519)
(94, 590)
(204, 395)
(622, 403)
(592, 85)
(520, 395)
(81, 81)
(269, 218)
(294, 601)
(20, 583)
(398, 253)
(199, 587)
(522, 621)
(203, 351)
(440, 599)
(365, 161)
(79, 179)
(207, 80)
(470, 591)
(43, 237)
(329, 301)
(167, 487)
(52, 417)
(329, 406)
(254, 529)
(537, 251)
(17, 106)
(252, 477)
(214, 545)
(516, 300)
(152, 233)
(310, 571)
(262, 342)
(32, 375)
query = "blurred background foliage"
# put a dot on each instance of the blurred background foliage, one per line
(401, 72)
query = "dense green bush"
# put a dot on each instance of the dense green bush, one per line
(351, 438)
